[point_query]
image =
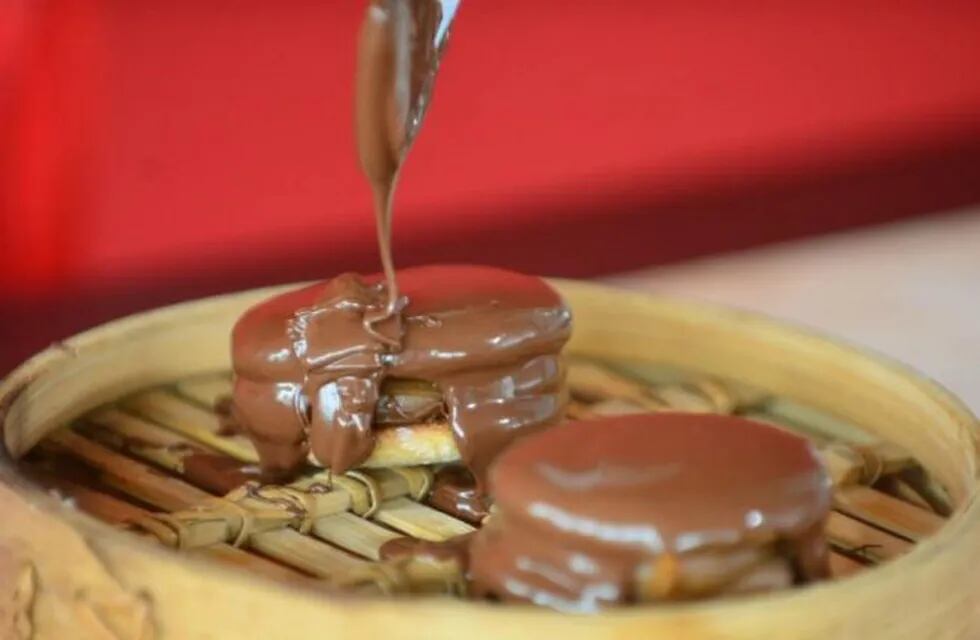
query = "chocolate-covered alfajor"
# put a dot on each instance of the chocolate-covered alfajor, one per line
(651, 507)
(469, 362)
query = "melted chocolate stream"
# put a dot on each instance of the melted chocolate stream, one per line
(454, 491)
(399, 50)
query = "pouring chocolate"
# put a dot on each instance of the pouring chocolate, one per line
(472, 350)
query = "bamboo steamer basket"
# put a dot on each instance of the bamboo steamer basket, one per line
(64, 574)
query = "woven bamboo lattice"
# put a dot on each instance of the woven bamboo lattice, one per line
(138, 464)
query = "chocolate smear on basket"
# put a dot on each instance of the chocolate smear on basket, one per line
(454, 491)
(452, 550)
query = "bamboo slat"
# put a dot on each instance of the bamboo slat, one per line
(123, 514)
(864, 541)
(146, 440)
(205, 390)
(897, 487)
(192, 421)
(591, 381)
(658, 374)
(157, 444)
(97, 503)
(928, 489)
(148, 485)
(257, 565)
(819, 423)
(305, 553)
(419, 521)
(886, 512)
(132, 478)
(353, 533)
(842, 566)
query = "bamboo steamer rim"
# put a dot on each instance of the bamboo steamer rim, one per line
(190, 598)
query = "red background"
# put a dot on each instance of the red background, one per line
(154, 151)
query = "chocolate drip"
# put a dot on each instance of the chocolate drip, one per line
(218, 473)
(454, 491)
(227, 424)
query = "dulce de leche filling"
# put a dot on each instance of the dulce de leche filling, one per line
(309, 367)
(651, 507)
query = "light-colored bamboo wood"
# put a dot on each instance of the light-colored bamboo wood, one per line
(863, 540)
(821, 424)
(896, 487)
(205, 524)
(420, 521)
(172, 494)
(123, 514)
(842, 566)
(192, 421)
(887, 512)
(596, 383)
(128, 476)
(87, 580)
(928, 489)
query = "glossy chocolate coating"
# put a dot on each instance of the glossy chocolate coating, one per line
(308, 372)
(651, 506)
(454, 491)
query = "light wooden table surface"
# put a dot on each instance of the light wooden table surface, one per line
(910, 290)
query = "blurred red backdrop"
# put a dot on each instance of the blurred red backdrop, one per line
(153, 151)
